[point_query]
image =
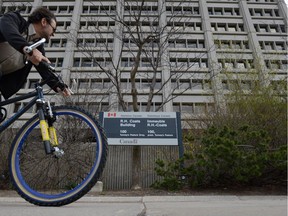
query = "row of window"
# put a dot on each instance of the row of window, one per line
(223, 11)
(99, 9)
(250, 84)
(88, 62)
(188, 63)
(179, 63)
(175, 63)
(63, 25)
(261, 1)
(179, 9)
(188, 26)
(231, 44)
(182, 84)
(186, 43)
(193, 108)
(56, 42)
(93, 83)
(93, 107)
(272, 28)
(95, 42)
(155, 107)
(264, 12)
(61, 9)
(92, 25)
(177, 43)
(194, 84)
(238, 84)
(229, 27)
(277, 65)
(23, 9)
(235, 63)
(273, 45)
(248, 63)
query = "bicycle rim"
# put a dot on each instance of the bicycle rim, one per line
(46, 180)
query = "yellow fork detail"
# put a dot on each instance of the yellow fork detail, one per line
(53, 136)
(44, 130)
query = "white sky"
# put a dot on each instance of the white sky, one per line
(286, 2)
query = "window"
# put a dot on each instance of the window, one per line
(187, 107)
(184, 84)
(83, 84)
(86, 63)
(232, 28)
(279, 46)
(192, 43)
(197, 85)
(199, 108)
(176, 107)
(229, 65)
(96, 84)
(241, 65)
(221, 27)
(76, 62)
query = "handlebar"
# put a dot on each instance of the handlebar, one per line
(30, 48)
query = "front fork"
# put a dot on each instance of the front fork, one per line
(48, 132)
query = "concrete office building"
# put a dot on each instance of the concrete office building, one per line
(213, 39)
(212, 46)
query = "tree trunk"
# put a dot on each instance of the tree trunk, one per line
(136, 168)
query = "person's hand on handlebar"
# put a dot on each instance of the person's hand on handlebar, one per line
(65, 92)
(36, 57)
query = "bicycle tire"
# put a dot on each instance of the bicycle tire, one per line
(45, 180)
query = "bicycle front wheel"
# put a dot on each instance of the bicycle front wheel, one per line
(46, 180)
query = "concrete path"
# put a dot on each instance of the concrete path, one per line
(153, 206)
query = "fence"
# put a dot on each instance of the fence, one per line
(117, 174)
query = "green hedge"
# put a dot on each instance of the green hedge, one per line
(223, 157)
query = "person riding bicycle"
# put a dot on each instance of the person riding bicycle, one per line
(15, 35)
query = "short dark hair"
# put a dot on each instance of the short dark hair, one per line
(39, 13)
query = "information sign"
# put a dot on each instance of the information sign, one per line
(142, 128)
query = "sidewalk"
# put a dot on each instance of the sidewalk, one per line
(202, 205)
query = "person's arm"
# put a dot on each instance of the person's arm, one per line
(54, 83)
(10, 26)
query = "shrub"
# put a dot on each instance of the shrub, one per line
(226, 157)
(243, 143)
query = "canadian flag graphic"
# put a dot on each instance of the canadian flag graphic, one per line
(112, 114)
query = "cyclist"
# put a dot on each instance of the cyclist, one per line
(15, 34)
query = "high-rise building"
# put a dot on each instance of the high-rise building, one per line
(193, 52)
(206, 47)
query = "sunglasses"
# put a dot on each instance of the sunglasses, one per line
(54, 29)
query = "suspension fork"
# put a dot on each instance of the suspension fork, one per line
(46, 119)
(44, 126)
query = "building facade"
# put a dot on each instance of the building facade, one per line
(210, 46)
(198, 51)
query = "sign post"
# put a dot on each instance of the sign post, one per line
(143, 128)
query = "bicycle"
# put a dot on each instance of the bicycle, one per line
(73, 154)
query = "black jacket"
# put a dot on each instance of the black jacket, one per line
(12, 25)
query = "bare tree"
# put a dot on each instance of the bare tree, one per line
(142, 33)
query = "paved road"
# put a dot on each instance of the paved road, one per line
(154, 206)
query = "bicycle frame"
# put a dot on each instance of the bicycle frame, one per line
(20, 112)
(37, 98)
